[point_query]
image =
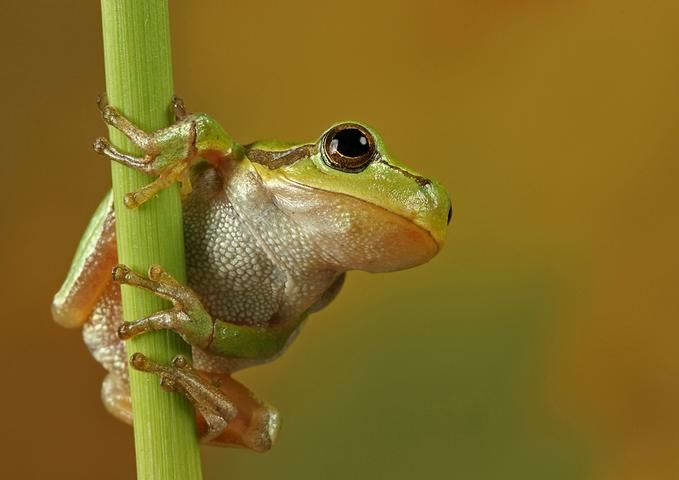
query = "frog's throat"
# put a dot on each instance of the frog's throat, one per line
(419, 223)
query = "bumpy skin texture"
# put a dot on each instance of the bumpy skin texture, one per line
(270, 230)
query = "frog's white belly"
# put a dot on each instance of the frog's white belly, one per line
(233, 276)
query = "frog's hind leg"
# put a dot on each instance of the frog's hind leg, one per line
(90, 274)
(115, 394)
(228, 414)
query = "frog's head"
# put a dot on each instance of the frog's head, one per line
(364, 209)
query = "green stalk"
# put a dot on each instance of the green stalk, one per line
(139, 83)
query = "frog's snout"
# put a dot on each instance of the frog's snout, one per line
(434, 212)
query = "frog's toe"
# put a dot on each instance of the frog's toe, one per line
(114, 118)
(158, 281)
(167, 175)
(103, 147)
(179, 108)
(102, 101)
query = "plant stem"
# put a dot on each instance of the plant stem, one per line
(139, 83)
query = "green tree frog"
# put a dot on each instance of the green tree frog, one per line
(270, 230)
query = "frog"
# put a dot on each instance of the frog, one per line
(271, 229)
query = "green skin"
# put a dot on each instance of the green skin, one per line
(355, 209)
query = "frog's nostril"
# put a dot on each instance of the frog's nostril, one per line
(450, 214)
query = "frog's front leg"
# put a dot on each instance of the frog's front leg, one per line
(189, 319)
(169, 152)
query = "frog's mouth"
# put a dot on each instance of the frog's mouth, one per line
(421, 221)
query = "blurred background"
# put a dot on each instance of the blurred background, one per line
(539, 344)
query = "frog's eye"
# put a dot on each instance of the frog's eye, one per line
(349, 147)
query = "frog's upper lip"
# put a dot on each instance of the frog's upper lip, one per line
(412, 219)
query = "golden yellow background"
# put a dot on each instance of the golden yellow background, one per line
(541, 343)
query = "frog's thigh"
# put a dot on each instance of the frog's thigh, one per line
(90, 272)
(115, 393)
(256, 423)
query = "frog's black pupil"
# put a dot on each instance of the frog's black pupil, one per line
(351, 142)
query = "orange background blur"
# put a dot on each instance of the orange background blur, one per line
(539, 344)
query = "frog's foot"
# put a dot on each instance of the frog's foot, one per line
(187, 316)
(206, 397)
(168, 152)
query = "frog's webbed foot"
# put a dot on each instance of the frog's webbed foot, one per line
(168, 153)
(205, 396)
